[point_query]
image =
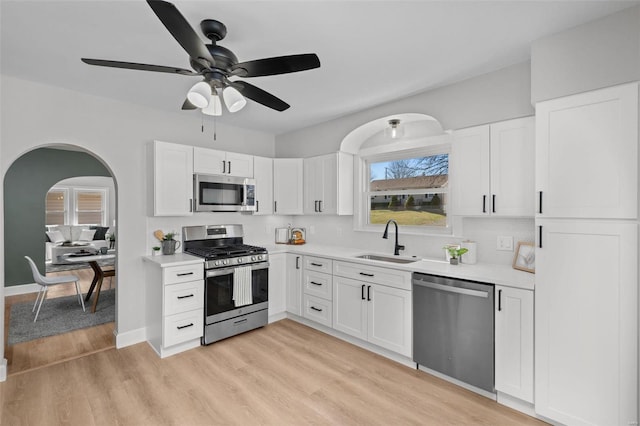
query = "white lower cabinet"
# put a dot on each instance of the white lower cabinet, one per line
(377, 313)
(294, 284)
(317, 289)
(174, 306)
(514, 342)
(317, 309)
(277, 284)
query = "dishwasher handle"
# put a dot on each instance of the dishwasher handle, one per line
(451, 289)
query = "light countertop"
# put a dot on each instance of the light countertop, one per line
(178, 259)
(484, 272)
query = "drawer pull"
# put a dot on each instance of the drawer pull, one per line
(315, 283)
(239, 321)
(180, 327)
(319, 265)
(366, 275)
(184, 274)
(184, 297)
(316, 309)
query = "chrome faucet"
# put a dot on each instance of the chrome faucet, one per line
(397, 247)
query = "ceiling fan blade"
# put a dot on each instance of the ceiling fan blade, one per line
(136, 66)
(181, 31)
(188, 105)
(277, 65)
(256, 94)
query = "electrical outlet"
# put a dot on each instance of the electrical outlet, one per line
(505, 243)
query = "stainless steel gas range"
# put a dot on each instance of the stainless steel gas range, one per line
(236, 294)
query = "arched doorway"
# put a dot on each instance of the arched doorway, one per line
(26, 184)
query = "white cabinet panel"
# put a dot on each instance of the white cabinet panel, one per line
(214, 162)
(294, 284)
(586, 322)
(263, 174)
(172, 179)
(587, 154)
(469, 171)
(183, 297)
(389, 318)
(318, 264)
(349, 307)
(317, 309)
(277, 283)
(318, 284)
(288, 186)
(328, 184)
(514, 342)
(182, 327)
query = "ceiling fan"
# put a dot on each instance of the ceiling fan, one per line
(216, 64)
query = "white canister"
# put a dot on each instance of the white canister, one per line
(469, 257)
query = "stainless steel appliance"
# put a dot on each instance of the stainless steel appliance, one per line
(223, 193)
(453, 328)
(236, 286)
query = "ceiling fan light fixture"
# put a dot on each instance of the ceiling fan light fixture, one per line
(200, 94)
(215, 105)
(233, 99)
(394, 131)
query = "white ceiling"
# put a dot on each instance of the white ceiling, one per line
(371, 52)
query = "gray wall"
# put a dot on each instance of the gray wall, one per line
(25, 187)
(598, 54)
(491, 97)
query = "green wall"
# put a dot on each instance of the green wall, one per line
(25, 187)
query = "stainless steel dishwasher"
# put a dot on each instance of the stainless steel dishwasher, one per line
(453, 328)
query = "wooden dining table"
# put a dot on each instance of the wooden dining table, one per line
(98, 273)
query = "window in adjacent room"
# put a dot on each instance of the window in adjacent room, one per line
(90, 207)
(56, 207)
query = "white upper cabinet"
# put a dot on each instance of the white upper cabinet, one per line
(172, 179)
(493, 169)
(587, 154)
(214, 162)
(328, 184)
(287, 186)
(263, 174)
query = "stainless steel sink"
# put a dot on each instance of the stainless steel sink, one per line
(392, 259)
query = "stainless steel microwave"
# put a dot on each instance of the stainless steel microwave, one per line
(213, 193)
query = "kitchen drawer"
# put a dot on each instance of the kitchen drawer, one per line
(182, 274)
(182, 327)
(317, 309)
(373, 274)
(183, 297)
(318, 284)
(318, 264)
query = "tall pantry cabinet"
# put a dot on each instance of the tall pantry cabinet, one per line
(586, 297)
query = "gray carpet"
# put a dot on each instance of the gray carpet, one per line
(73, 266)
(58, 315)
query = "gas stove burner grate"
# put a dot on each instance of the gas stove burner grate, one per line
(225, 251)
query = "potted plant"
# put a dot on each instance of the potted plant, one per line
(169, 245)
(455, 252)
(155, 250)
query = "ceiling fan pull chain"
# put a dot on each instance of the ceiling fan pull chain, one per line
(201, 123)
(215, 129)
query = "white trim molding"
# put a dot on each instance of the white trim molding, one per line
(130, 337)
(3, 370)
(15, 290)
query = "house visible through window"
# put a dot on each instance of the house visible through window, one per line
(413, 191)
(56, 207)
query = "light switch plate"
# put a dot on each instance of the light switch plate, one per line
(505, 243)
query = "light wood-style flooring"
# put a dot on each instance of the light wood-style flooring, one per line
(37, 353)
(282, 374)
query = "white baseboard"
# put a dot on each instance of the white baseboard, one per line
(517, 404)
(3, 370)
(14, 290)
(130, 337)
(277, 317)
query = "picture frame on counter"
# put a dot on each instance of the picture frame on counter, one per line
(525, 257)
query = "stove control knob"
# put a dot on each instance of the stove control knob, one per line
(239, 260)
(260, 257)
(217, 263)
(224, 262)
(253, 258)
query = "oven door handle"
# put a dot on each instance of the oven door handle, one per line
(229, 270)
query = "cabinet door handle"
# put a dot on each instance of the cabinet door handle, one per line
(184, 297)
(362, 292)
(315, 206)
(190, 205)
(257, 206)
(224, 166)
(180, 327)
(368, 293)
(499, 300)
(275, 206)
(320, 206)
(540, 236)
(315, 283)
(493, 203)
(316, 309)
(366, 275)
(540, 202)
(229, 167)
(297, 262)
(319, 265)
(184, 274)
(484, 204)
(240, 321)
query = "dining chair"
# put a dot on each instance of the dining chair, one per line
(46, 282)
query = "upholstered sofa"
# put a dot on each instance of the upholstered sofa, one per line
(73, 238)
